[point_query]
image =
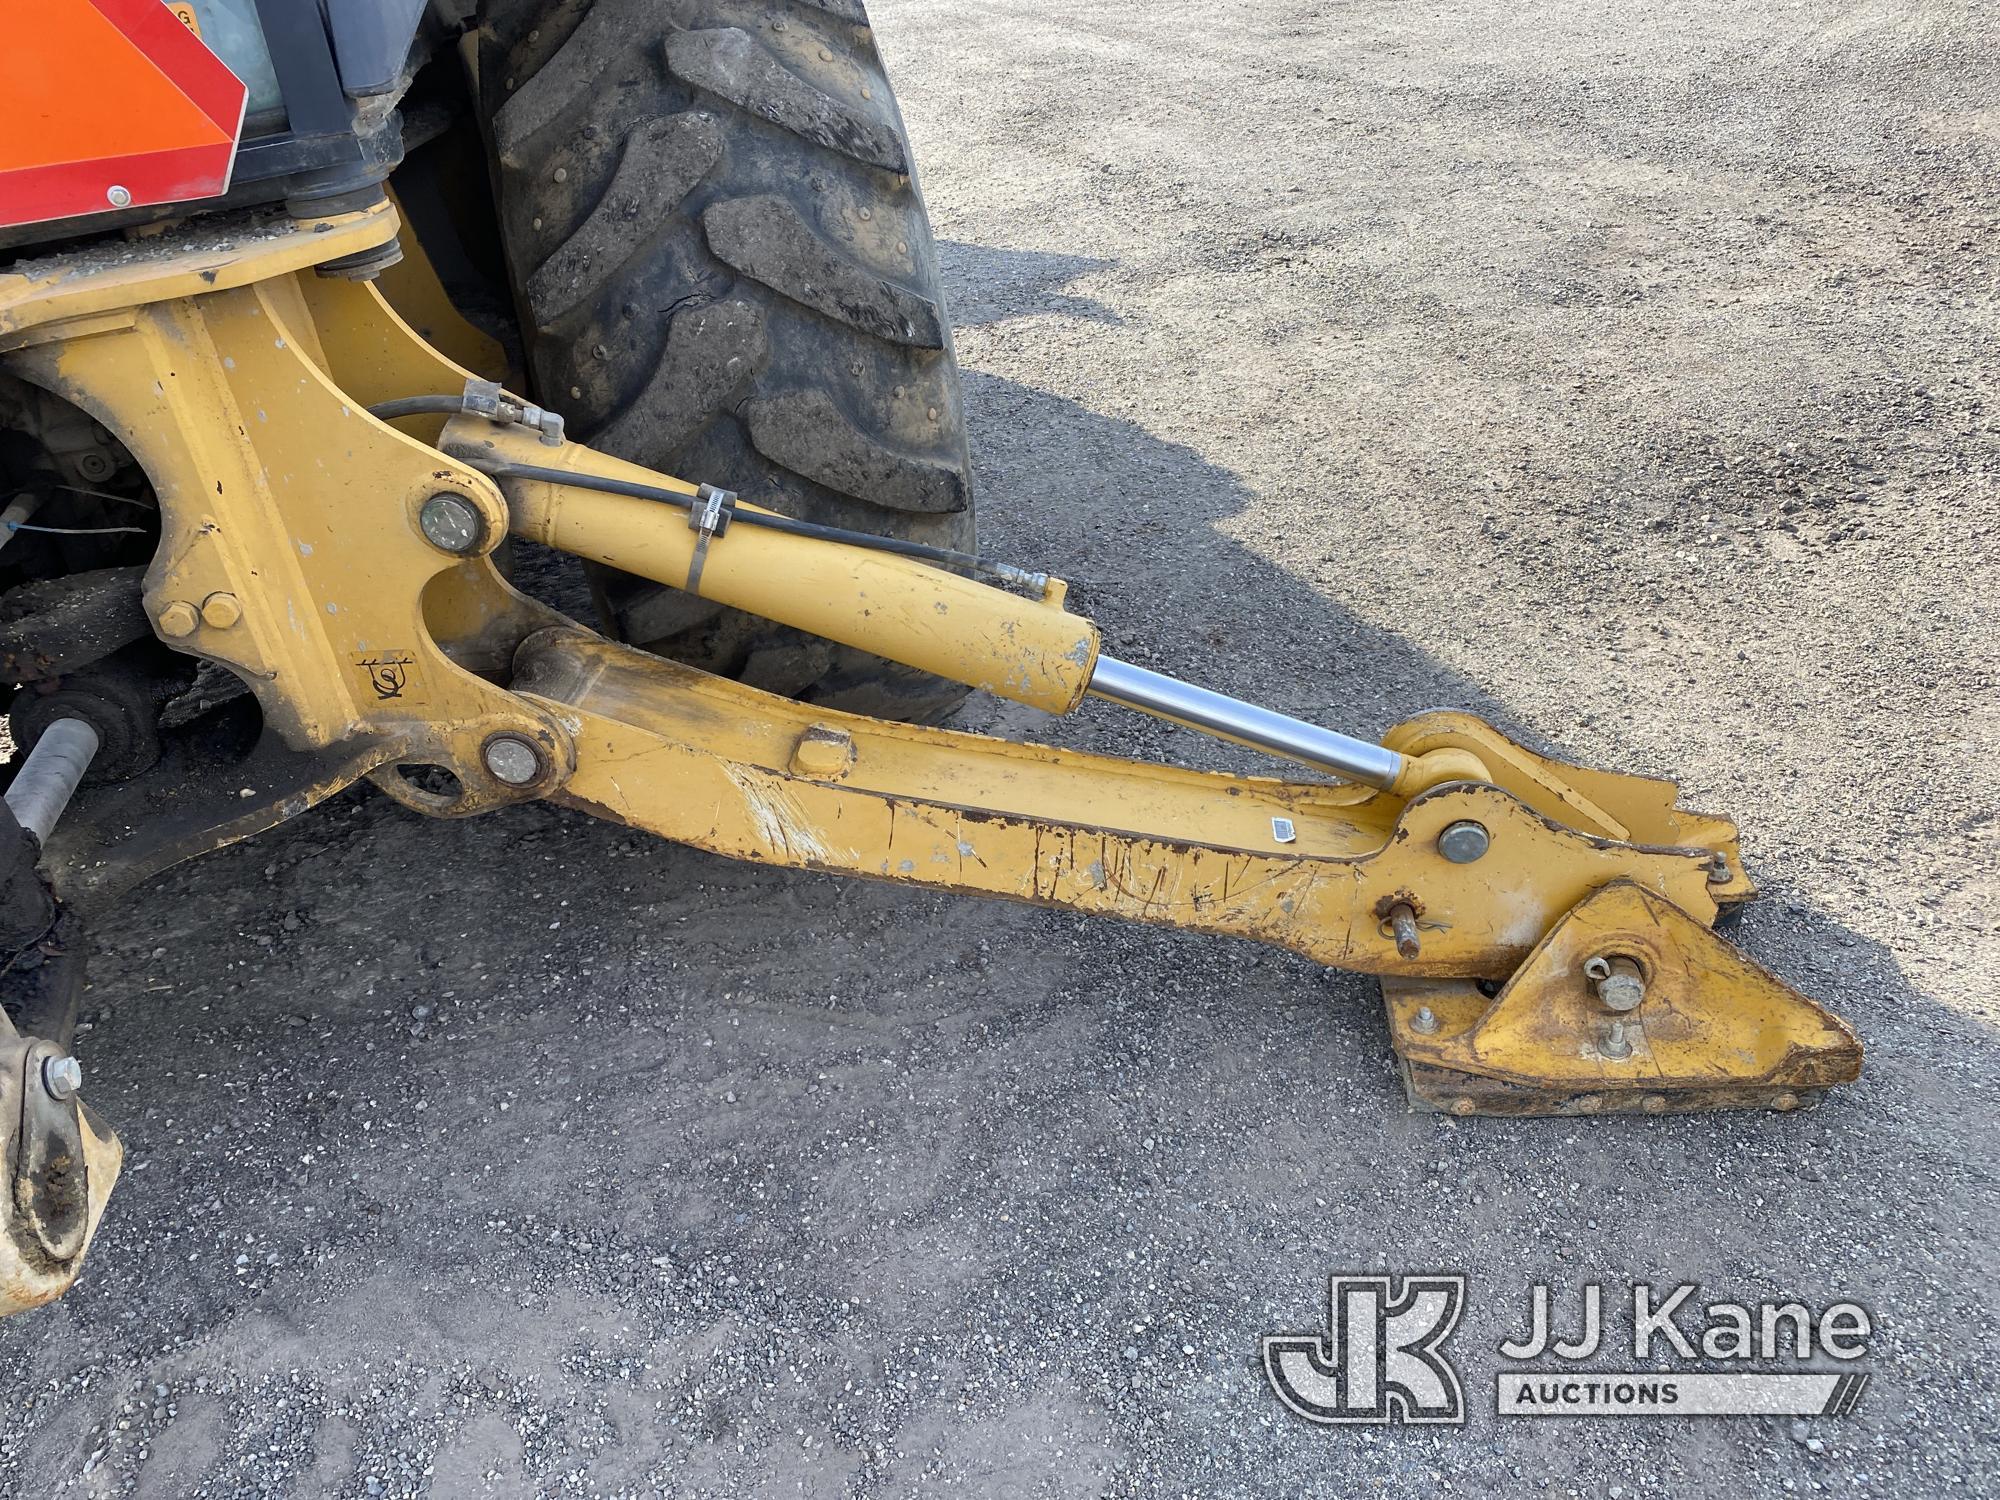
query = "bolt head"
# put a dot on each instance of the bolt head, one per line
(221, 610)
(451, 523)
(512, 759)
(823, 752)
(1464, 841)
(62, 1077)
(178, 619)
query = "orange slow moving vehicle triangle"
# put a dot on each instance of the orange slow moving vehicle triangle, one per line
(102, 95)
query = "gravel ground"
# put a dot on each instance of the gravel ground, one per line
(1622, 372)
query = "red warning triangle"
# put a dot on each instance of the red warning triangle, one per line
(110, 103)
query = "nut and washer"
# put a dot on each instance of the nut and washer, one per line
(451, 523)
(1719, 872)
(1424, 1021)
(512, 759)
(1464, 841)
(1616, 1044)
(61, 1077)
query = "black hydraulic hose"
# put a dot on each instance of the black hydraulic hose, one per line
(943, 556)
(410, 406)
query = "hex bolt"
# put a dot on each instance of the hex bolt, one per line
(62, 1077)
(1719, 872)
(178, 619)
(1464, 841)
(1621, 983)
(221, 610)
(1425, 1020)
(450, 523)
(512, 759)
(1403, 922)
(1616, 1044)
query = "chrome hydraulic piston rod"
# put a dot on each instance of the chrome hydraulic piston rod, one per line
(48, 778)
(1233, 719)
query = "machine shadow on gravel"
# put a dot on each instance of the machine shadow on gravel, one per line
(989, 285)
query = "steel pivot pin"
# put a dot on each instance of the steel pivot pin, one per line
(1621, 984)
(1464, 841)
(450, 523)
(512, 759)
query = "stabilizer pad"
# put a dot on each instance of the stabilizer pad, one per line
(1714, 1030)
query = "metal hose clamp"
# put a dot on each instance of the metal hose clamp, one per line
(709, 516)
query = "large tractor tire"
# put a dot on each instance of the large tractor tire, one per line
(724, 271)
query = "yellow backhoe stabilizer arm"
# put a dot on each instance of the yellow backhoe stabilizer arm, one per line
(1544, 931)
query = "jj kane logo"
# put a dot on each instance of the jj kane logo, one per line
(1382, 1356)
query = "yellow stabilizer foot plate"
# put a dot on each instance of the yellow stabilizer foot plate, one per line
(1713, 1031)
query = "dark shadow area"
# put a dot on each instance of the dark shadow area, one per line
(989, 285)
